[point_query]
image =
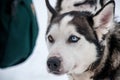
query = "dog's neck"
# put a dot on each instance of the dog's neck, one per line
(84, 76)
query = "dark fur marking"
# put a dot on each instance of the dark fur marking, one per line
(82, 29)
(83, 22)
(90, 2)
(58, 6)
(101, 3)
(110, 70)
(112, 1)
(50, 8)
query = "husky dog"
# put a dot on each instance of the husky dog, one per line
(91, 6)
(84, 46)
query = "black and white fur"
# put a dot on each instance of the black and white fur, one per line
(86, 47)
(92, 6)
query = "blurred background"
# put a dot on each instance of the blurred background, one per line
(34, 68)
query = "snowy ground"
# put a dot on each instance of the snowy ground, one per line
(35, 67)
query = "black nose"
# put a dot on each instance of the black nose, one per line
(53, 63)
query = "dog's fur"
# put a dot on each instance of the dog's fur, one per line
(96, 53)
(92, 6)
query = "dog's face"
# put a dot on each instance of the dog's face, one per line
(71, 40)
(72, 49)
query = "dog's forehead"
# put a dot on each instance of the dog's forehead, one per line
(61, 24)
(78, 19)
(68, 18)
(74, 20)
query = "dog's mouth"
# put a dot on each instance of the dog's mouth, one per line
(57, 72)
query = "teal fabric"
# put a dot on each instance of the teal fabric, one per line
(18, 33)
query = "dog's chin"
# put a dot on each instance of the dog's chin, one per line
(57, 72)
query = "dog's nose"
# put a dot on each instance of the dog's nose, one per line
(53, 63)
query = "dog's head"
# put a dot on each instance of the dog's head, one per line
(80, 5)
(63, 6)
(73, 39)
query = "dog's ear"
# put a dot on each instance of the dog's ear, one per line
(103, 2)
(50, 8)
(104, 19)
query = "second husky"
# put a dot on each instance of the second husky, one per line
(92, 6)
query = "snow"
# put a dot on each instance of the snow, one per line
(34, 68)
(117, 9)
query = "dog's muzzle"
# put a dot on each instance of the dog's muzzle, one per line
(54, 64)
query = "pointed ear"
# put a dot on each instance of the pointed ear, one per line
(104, 20)
(50, 8)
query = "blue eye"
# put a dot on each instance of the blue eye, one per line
(73, 39)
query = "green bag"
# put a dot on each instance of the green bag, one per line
(18, 33)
